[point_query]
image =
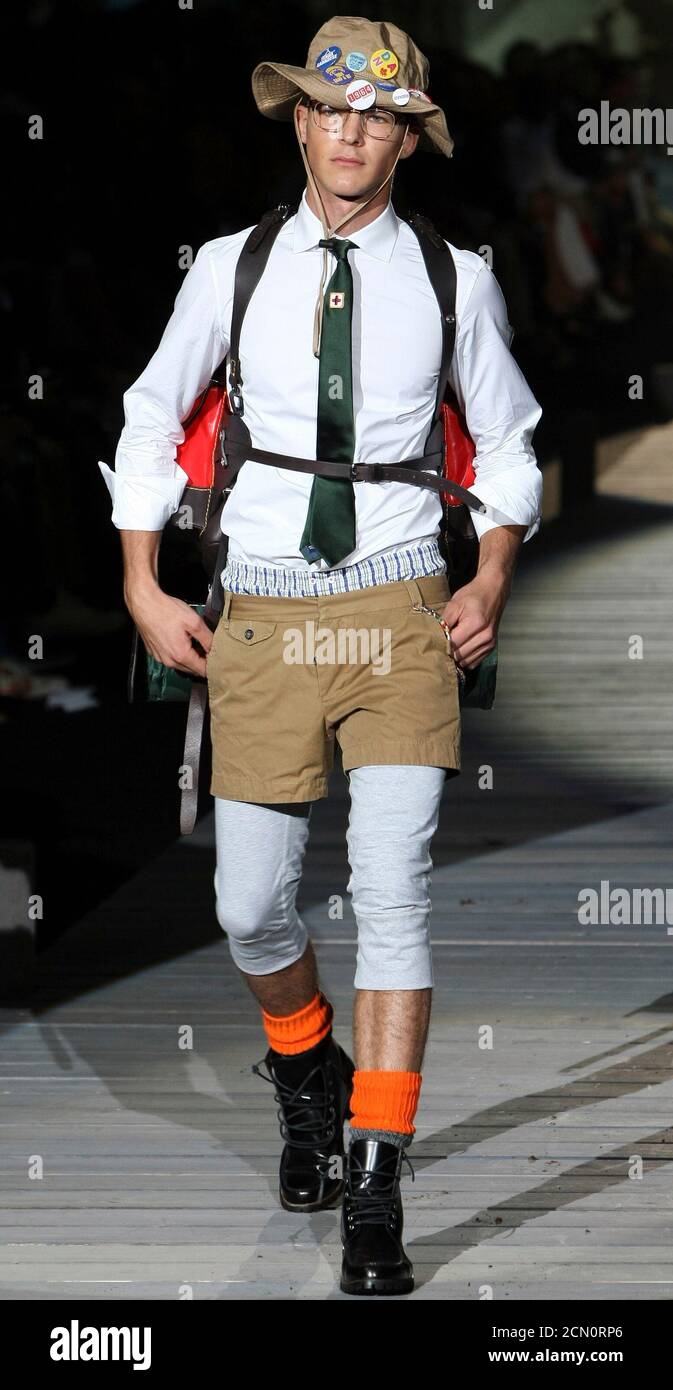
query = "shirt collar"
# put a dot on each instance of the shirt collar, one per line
(376, 239)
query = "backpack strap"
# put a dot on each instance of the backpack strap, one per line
(248, 273)
(249, 270)
(191, 757)
(457, 528)
(441, 269)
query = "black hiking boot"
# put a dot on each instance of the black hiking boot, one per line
(313, 1091)
(374, 1261)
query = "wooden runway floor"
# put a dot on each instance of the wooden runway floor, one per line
(544, 1160)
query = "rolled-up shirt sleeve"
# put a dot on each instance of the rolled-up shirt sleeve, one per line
(500, 410)
(147, 483)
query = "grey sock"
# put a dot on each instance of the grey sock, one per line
(388, 1136)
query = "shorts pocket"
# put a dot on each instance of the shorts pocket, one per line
(249, 631)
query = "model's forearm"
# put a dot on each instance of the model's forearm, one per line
(499, 551)
(140, 550)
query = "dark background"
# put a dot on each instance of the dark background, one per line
(152, 141)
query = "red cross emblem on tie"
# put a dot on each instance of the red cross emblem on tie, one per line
(336, 300)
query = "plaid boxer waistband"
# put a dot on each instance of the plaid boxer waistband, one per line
(277, 581)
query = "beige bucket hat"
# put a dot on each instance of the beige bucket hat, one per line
(347, 48)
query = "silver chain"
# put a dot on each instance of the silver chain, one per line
(423, 608)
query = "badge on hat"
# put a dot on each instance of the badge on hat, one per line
(387, 86)
(328, 55)
(400, 96)
(357, 62)
(360, 94)
(384, 62)
(337, 72)
(416, 92)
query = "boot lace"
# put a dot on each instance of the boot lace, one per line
(297, 1107)
(374, 1207)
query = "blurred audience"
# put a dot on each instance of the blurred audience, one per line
(143, 156)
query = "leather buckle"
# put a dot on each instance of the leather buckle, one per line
(234, 393)
(373, 474)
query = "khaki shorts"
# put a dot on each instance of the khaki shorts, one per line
(288, 676)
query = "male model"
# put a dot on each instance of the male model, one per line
(339, 359)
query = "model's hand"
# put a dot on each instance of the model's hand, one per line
(474, 612)
(473, 615)
(167, 626)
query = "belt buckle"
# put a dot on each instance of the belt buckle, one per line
(374, 472)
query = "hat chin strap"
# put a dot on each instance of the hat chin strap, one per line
(330, 231)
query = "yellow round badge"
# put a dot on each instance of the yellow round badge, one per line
(384, 63)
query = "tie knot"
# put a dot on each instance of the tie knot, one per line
(340, 246)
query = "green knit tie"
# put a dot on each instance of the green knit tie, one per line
(330, 523)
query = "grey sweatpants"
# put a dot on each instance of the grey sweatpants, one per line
(394, 813)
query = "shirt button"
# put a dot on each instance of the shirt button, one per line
(248, 633)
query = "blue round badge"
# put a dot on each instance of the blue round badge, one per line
(328, 55)
(337, 72)
(387, 86)
(356, 61)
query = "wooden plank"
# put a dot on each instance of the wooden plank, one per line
(160, 1165)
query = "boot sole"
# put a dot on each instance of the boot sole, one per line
(325, 1205)
(382, 1287)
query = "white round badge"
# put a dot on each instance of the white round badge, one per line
(360, 94)
(400, 96)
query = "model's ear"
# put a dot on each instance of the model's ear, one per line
(409, 143)
(302, 116)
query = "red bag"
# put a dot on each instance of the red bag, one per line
(459, 451)
(200, 449)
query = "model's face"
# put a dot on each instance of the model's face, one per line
(347, 161)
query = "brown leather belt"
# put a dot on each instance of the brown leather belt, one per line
(417, 471)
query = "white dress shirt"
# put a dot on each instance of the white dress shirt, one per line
(396, 358)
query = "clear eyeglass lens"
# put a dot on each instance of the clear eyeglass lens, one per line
(379, 124)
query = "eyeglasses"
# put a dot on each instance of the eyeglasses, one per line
(375, 122)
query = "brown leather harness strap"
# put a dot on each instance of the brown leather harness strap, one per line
(189, 798)
(326, 468)
(414, 471)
